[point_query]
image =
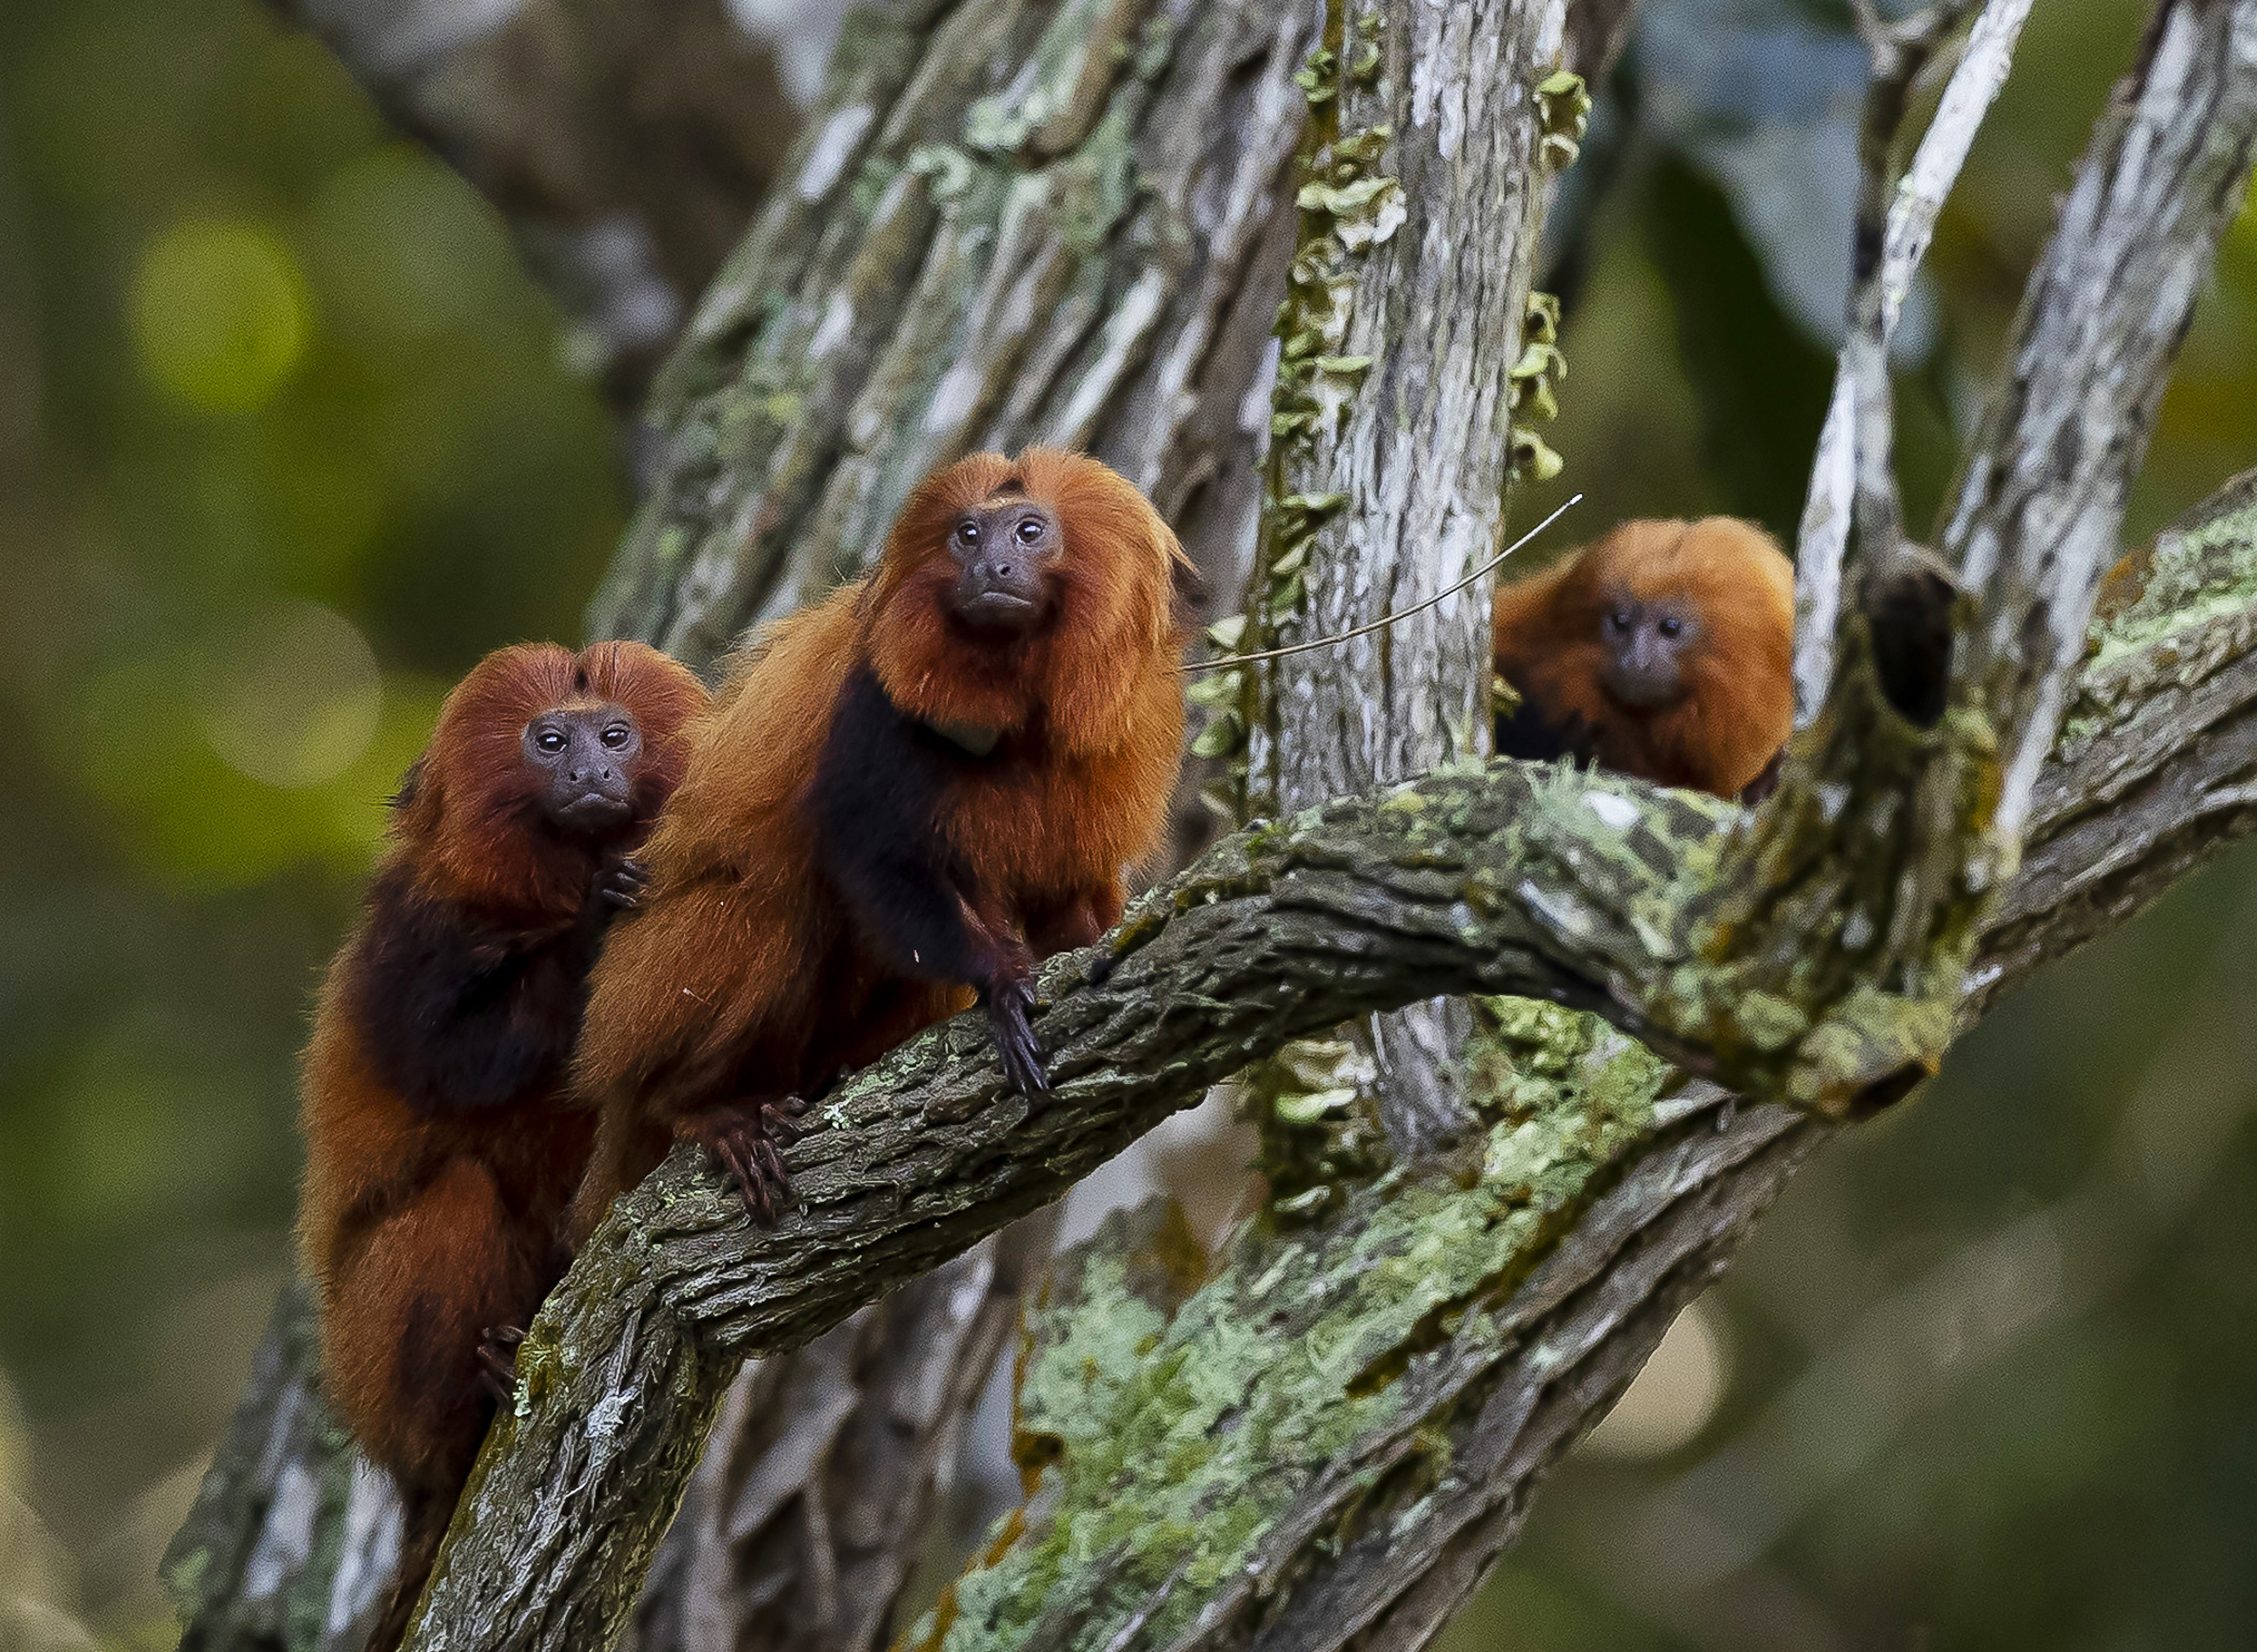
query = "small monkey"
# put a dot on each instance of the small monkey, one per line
(1664, 650)
(440, 1157)
(905, 798)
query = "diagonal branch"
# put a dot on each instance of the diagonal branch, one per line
(2041, 496)
(924, 1153)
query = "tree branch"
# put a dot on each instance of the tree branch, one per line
(626, 145)
(1896, 219)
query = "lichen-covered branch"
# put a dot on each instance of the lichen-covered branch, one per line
(625, 145)
(924, 1153)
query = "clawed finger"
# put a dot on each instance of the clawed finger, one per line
(1020, 1055)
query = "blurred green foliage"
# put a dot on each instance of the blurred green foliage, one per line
(285, 444)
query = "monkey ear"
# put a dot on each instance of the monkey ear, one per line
(410, 784)
(1189, 590)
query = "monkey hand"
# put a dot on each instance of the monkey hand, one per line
(1765, 783)
(1008, 1001)
(620, 886)
(744, 1137)
(498, 1360)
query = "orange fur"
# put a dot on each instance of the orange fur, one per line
(1740, 706)
(744, 976)
(427, 1225)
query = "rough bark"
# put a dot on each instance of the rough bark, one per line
(1585, 888)
(626, 143)
(1012, 220)
(1423, 195)
(808, 1514)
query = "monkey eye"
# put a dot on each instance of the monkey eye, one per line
(1619, 619)
(616, 735)
(1030, 529)
(550, 740)
(1670, 627)
(968, 531)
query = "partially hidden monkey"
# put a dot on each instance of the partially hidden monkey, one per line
(1664, 650)
(440, 1156)
(905, 798)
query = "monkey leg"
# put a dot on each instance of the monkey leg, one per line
(408, 1315)
(1076, 922)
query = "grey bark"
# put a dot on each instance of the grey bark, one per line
(1011, 222)
(808, 1513)
(1424, 196)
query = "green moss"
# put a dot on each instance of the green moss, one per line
(1184, 1438)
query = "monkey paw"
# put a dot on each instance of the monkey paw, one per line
(745, 1139)
(1007, 1004)
(620, 885)
(498, 1360)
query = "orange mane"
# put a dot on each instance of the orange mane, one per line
(1116, 612)
(468, 811)
(1740, 708)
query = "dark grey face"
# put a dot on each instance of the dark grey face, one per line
(588, 754)
(1644, 647)
(1001, 549)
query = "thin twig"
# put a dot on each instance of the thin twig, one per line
(1384, 622)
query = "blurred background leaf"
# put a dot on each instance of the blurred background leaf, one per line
(287, 439)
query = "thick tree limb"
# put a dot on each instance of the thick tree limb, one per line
(928, 1151)
(627, 143)
(1391, 446)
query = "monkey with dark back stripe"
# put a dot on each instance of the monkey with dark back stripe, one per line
(910, 794)
(1665, 651)
(440, 1156)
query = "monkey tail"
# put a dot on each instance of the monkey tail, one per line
(425, 1516)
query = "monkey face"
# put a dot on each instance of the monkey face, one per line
(1643, 650)
(1003, 549)
(586, 756)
